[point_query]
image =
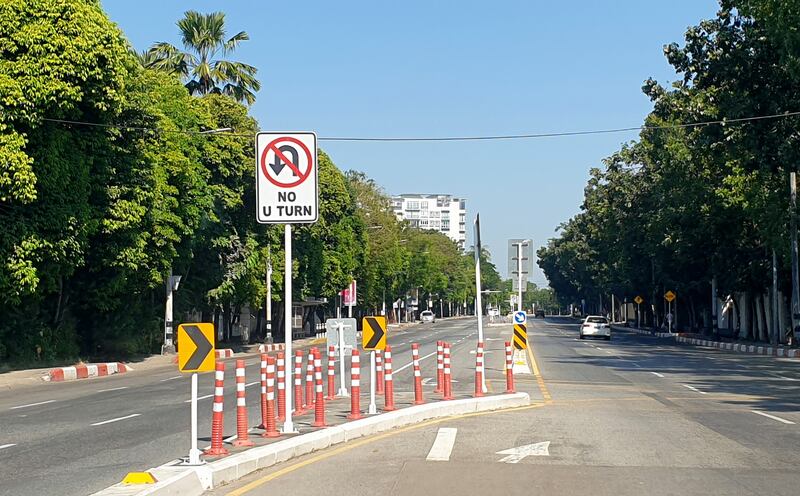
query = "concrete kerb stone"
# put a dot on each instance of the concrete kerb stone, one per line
(188, 481)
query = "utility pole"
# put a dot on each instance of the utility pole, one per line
(795, 282)
(172, 282)
(774, 335)
(715, 307)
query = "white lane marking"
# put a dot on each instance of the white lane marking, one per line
(515, 455)
(693, 389)
(251, 384)
(4, 446)
(200, 398)
(657, 374)
(427, 381)
(32, 404)
(785, 378)
(171, 378)
(442, 445)
(409, 364)
(116, 419)
(234, 437)
(773, 417)
(112, 389)
(398, 344)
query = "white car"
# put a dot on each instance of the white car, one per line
(427, 316)
(596, 326)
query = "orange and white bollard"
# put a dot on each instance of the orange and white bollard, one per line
(263, 424)
(319, 404)
(242, 437)
(281, 387)
(509, 368)
(331, 373)
(310, 379)
(217, 449)
(439, 367)
(479, 370)
(448, 385)
(355, 385)
(298, 383)
(270, 427)
(418, 400)
(379, 372)
(389, 391)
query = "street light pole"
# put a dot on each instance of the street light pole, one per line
(793, 229)
(269, 298)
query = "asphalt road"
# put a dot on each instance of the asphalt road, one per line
(633, 416)
(75, 438)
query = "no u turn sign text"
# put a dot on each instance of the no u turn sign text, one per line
(286, 178)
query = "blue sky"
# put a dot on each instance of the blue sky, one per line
(426, 68)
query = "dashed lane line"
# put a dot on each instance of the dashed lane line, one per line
(442, 445)
(112, 389)
(693, 389)
(773, 417)
(116, 419)
(409, 364)
(657, 374)
(4, 446)
(32, 404)
(171, 378)
(200, 398)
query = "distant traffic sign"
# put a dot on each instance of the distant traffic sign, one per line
(286, 178)
(669, 296)
(638, 300)
(373, 333)
(520, 336)
(196, 347)
(520, 317)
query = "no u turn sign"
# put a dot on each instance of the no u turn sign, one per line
(286, 178)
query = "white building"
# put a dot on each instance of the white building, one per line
(443, 213)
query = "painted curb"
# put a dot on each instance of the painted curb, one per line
(265, 348)
(752, 349)
(224, 353)
(60, 374)
(190, 481)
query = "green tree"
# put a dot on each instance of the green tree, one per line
(205, 38)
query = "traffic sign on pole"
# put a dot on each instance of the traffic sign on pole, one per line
(520, 317)
(374, 333)
(196, 347)
(520, 336)
(286, 178)
(669, 296)
(638, 300)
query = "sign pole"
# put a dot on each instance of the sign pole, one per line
(194, 453)
(342, 389)
(288, 427)
(372, 408)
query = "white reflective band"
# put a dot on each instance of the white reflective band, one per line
(319, 388)
(263, 377)
(388, 376)
(240, 386)
(509, 366)
(331, 372)
(479, 369)
(270, 369)
(270, 382)
(356, 359)
(220, 375)
(389, 368)
(439, 365)
(217, 407)
(439, 348)
(240, 372)
(280, 362)
(479, 360)
(263, 364)
(417, 373)
(297, 381)
(414, 353)
(270, 396)
(317, 362)
(356, 370)
(447, 361)
(318, 375)
(240, 402)
(379, 368)
(354, 383)
(388, 355)
(281, 373)
(447, 370)
(281, 385)
(218, 391)
(263, 389)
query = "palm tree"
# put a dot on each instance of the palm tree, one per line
(203, 37)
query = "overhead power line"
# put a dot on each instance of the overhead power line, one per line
(497, 137)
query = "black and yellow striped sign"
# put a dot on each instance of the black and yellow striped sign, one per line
(520, 336)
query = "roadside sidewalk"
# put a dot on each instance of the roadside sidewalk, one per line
(703, 341)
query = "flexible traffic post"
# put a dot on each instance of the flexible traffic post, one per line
(319, 403)
(270, 426)
(479, 370)
(331, 373)
(281, 387)
(389, 390)
(418, 400)
(448, 385)
(310, 379)
(439, 367)
(242, 437)
(217, 449)
(509, 368)
(355, 385)
(298, 383)
(378, 372)
(263, 424)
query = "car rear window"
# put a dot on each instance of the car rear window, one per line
(597, 320)
(426, 312)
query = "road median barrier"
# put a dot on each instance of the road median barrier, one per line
(174, 479)
(85, 371)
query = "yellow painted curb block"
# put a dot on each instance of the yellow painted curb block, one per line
(139, 478)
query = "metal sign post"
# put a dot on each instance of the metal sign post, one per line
(194, 453)
(195, 354)
(288, 426)
(373, 335)
(478, 304)
(341, 345)
(372, 408)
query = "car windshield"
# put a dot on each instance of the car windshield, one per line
(597, 320)
(427, 313)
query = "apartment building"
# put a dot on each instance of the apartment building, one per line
(444, 213)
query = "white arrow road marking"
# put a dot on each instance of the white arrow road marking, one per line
(442, 445)
(4, 446)
(116, 419)
(32, 404)
(515, 455)
(773, 417)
